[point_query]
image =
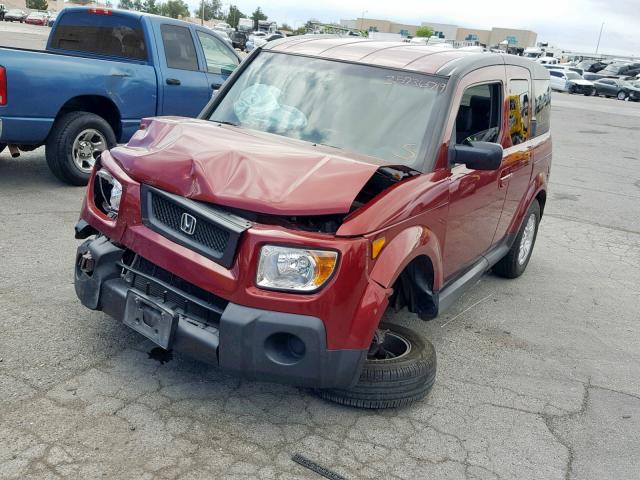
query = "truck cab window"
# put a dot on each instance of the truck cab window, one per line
(478, 116)
(110, 35)
(219, 58)
(179, 50)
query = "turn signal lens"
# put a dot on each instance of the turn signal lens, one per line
(376, 246)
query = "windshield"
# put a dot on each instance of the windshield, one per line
(370, 110)
(572, 75)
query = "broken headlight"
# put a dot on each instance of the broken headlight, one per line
(107, 192)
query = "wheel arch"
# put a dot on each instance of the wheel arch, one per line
(98, 105)
(411, 265)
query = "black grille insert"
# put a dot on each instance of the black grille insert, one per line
(209, 231)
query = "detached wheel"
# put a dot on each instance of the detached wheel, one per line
(515, 262)
(621, 95)
(74, 143)
(400, 369)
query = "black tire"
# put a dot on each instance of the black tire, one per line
(391, 383)
(588, 92)
(510, 266)
(59, 146)
(572, 89)
(2, 146)
(621, 95)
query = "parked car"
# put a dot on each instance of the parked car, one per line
(124, 66)
(52, 18)
(250, 43)
(620, 89)
(565, 80)
(617, 70)
(262, 41)
(37, 18)
(15, 15)
(270, 235)
(239, 40)
(591, 66)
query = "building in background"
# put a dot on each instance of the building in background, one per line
(515, 38)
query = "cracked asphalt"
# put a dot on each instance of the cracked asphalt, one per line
(539, 378)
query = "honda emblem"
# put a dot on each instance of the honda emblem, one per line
(188, 223)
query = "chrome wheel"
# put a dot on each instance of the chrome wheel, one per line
(87, 146)
(526, 242)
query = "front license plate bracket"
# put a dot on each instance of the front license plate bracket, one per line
(153, 320)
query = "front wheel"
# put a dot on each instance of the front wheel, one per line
(400, 369)
(515, 262)
(621, 95)
(74, 143)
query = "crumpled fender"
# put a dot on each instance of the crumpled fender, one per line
(402, 249)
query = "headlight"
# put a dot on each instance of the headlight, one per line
(107, 193)
(297, 269)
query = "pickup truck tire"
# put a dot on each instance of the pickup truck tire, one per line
(391, 382)
(69, 131)
(2, 146)
(515, 262)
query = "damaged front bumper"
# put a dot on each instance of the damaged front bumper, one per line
(255, 343)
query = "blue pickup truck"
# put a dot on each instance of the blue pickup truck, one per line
(102, 71)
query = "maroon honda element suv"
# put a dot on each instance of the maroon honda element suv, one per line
(328, 180)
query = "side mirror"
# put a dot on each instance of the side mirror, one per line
(478, 155)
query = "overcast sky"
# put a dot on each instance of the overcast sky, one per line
(569, 24)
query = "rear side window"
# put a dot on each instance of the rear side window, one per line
(555, 73)
(111, 35)
(542, 107)
(219, 58)
(478, 118)
(519, 99)
(179, 49)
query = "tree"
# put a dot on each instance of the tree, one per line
(174, 9)
(287, 27)
(150, 6)
(424, 32)
(37, 4)
(126, 5)
(257, 16)
(212, 9)
(234, 16)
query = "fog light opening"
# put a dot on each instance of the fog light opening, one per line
(284, 348)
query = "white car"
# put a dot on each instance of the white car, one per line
(565, 80)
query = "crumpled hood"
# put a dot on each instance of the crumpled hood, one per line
(244, 169)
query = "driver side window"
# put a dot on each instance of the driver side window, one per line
(478, 118)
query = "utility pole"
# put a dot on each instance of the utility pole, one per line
(599, 37)
(364, 12)
(201, 12)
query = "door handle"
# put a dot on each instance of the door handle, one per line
(504, 179)
(173, 81)
(216, 86)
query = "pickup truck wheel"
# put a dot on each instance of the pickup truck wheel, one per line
(400, 369)
(74, 143)
(2, 146)
(515, 262)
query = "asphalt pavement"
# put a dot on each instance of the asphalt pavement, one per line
(538, 378)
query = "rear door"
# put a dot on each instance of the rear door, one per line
(219, 57)
(184, 86)
(515, 171)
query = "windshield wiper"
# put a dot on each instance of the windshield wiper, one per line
(224, 122)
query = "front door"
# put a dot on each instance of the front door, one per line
(220, 59)
(476, 200)
(185, 90)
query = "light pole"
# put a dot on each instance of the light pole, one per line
(201, 12)
(364, 12)
(599, 37)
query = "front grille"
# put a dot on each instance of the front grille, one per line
(206, 233)
(211, 232)
(173, 291)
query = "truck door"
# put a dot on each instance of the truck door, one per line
(515, 171)
(476, 200)
(219, 58)
(185, 90)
